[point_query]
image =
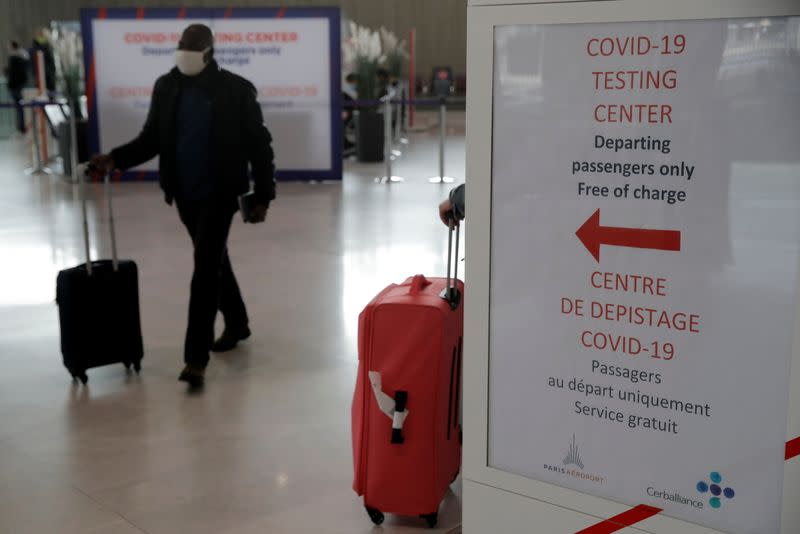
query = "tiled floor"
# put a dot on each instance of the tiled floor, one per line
(266, 447)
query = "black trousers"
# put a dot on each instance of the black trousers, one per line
(16, 95)
(214, 285)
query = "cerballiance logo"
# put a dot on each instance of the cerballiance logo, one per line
(716, 489)
(704, 487)
(573, 457)
(674, 496)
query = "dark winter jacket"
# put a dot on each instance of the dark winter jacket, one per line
(17, 70)
(238, 136)
(49, 63)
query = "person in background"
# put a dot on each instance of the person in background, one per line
(206, 126)
(350, 89)
(349, 95)
(454, 207)
(17, 76)
(41, 43)
(383, 82)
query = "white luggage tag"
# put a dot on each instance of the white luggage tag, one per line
(387, 405)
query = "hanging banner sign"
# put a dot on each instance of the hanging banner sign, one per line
(292, 57)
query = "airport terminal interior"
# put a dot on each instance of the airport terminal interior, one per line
(662, 396)
(266, 445)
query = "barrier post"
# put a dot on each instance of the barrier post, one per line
(412, 79)
(400, 124)
(42, 92)
(387, 135)
(396, 100)
(442, 177)
(398, 113)
(387, 142)
(405, 108)
(38, 166)
(73, 141)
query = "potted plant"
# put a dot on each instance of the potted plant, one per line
(362, 55)
(395, 52)
(68, 51)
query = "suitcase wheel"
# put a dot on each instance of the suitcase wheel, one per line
(79, 375)
(376, 515)
(431, 519)
(137, 366)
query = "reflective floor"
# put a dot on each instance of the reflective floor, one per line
(266, 447)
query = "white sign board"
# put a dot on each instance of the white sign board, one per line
(644, 251)
(287, 59)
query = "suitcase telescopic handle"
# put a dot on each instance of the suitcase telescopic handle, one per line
(90, 170)
(112, 230)
(451, 293)
(86, 174)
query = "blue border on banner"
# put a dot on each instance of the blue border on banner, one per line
(333, 14)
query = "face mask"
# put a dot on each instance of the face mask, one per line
(189, 62)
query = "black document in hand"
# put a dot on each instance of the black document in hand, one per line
(247, 206)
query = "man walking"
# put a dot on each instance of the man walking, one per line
(41, 43)
(17, 75)
(206, 125)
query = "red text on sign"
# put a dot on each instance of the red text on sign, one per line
(256, 37)
(635, 45)
(633, 113)
(630, 283)
(619, 46)
(641, 316)
(151, 37)
(618, 80)
(615, 343)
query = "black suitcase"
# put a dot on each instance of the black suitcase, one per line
(98, 305)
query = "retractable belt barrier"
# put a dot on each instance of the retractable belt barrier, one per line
(39, 165)
(390, 136)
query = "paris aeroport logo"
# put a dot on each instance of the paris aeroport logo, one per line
(573, 458)
(714, 487)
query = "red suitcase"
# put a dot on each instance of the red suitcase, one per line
(405, 414)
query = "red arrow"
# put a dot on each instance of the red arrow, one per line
(592, 235)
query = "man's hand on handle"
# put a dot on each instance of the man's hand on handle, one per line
(446, 213)
(102, 162)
